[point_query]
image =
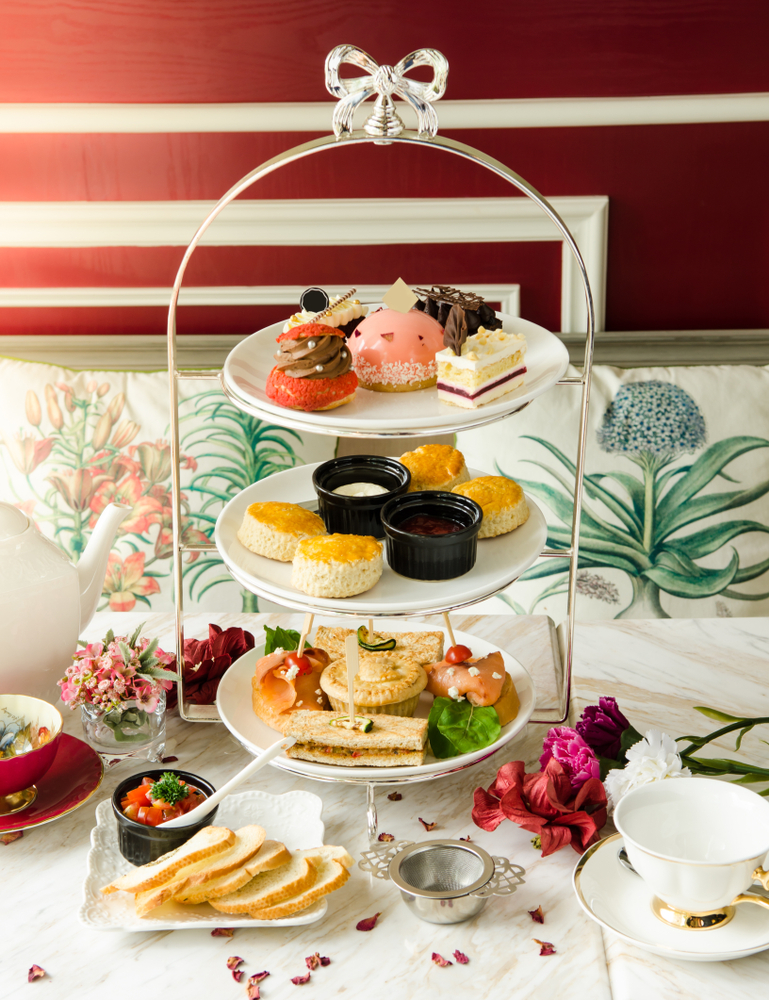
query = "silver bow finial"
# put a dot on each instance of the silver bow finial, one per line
(387, 82)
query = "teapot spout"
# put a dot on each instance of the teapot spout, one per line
(92, 567)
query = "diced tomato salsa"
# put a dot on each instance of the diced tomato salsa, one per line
(140, 805)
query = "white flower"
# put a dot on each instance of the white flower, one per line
(651, 759)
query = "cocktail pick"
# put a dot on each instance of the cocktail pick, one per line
(308, 620)
(351, 656)
(449, 628)
(370, 628)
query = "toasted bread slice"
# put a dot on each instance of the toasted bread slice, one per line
(272, 887)
(205, 843)
(248, 840)
(331, 875)
(272, 854)
(425, 647)
(329, 852)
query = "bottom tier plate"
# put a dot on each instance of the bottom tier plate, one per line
(234, 705)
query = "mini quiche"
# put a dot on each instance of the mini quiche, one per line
(387, 683)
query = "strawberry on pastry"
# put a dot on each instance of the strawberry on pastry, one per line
(313, 370)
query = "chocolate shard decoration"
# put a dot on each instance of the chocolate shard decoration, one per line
(440, 298)
(455, 330)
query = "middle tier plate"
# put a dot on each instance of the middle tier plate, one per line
(500, 561)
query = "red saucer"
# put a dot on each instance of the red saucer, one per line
(74, 776)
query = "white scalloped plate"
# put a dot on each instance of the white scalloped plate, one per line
(500, 560)
(293, 818)
(389, 414)
(233, 702)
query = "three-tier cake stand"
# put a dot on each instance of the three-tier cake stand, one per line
(367, 417)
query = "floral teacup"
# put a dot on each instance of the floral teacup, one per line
(30, 730)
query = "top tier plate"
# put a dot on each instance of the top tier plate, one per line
(389, 414)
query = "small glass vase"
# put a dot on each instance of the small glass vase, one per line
(126, 731)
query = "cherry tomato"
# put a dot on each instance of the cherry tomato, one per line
(139, 795)
(132, 811)
(458, 654)
(295, 660)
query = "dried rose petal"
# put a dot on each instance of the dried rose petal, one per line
(368, 924)
(461, 958)
(252, 991)
(234, 961)
(385, 837)
(35, 973)
(440, 960)
(237, 974)
(537, 915)
(426, 825)
(257, 977)
(168, 760)
(313, 961)
(301, 980)
(222, 932)
(395, 796)
(8, 838)
(324, 960)
(468, 839)
(545, 947)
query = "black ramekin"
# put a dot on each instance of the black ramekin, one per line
(141, 844)
(432, 557)
(358, 515)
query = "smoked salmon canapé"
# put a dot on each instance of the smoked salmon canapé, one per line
(482, 680)
(286, 682)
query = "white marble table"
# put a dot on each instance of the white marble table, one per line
(657, 670)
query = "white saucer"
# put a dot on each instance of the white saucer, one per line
(621, 902)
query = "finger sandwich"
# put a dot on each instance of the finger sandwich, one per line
(392, 741)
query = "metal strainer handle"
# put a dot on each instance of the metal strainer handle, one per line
(505, 880)
(377, 860)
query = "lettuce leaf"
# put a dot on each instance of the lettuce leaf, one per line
(456, 727)
(280, 638)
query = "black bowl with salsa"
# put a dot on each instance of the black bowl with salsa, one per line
(431, 535)
(139, 840)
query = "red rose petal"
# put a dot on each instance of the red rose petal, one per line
(237, 974)
(168, 760)
(8, 838)
(395, 796)
(234, 961)
(537, 915)
(385, 837)
(324, 960)
(222, 932)
(35, 973)
(440, 960)
(468, 839)
(316, 960)
(257, 978)
(252, 991)
(368, 924)
(426, 825)
(301, 980)
(545, 947)
(460, 958)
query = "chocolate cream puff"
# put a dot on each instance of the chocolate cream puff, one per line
(313, 370)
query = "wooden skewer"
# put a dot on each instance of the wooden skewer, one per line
(351, 655)
(450, 629)
(308, 620)
(370, 628)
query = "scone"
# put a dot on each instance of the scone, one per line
(275, 529)
(337, 565)
(387, 683)
(504, 505)
(435, 467)
(425, 647)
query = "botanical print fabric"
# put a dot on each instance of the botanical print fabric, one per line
(72, 442)
(675, 514)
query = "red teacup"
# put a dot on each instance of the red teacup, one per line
(20, 772)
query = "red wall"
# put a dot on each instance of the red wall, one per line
(688, 212)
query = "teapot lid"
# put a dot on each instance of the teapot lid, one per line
(12, 521)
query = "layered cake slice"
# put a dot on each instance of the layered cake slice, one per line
(477, 369)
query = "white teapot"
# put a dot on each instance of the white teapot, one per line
(45, 600)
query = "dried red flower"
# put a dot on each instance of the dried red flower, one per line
(385, 837)
(395, 796)
(468, 839)
(440, 960)
(301, 980)
(237, 974)
(460, 958)
(206, 660)
(258, 977)
(35, 973)
(252, 991)
(368, 924)
(545, 947)
(316, 961)
(169, 760)
(234, 961)
(426, 825)
(537, 915)
(543, 804)
(8, 838)
(222, 932)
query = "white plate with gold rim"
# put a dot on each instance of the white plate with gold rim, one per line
(500, 560)
(233, 703)
(621, 902)
(389, 414)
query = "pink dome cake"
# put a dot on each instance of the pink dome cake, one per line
(395, 352)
